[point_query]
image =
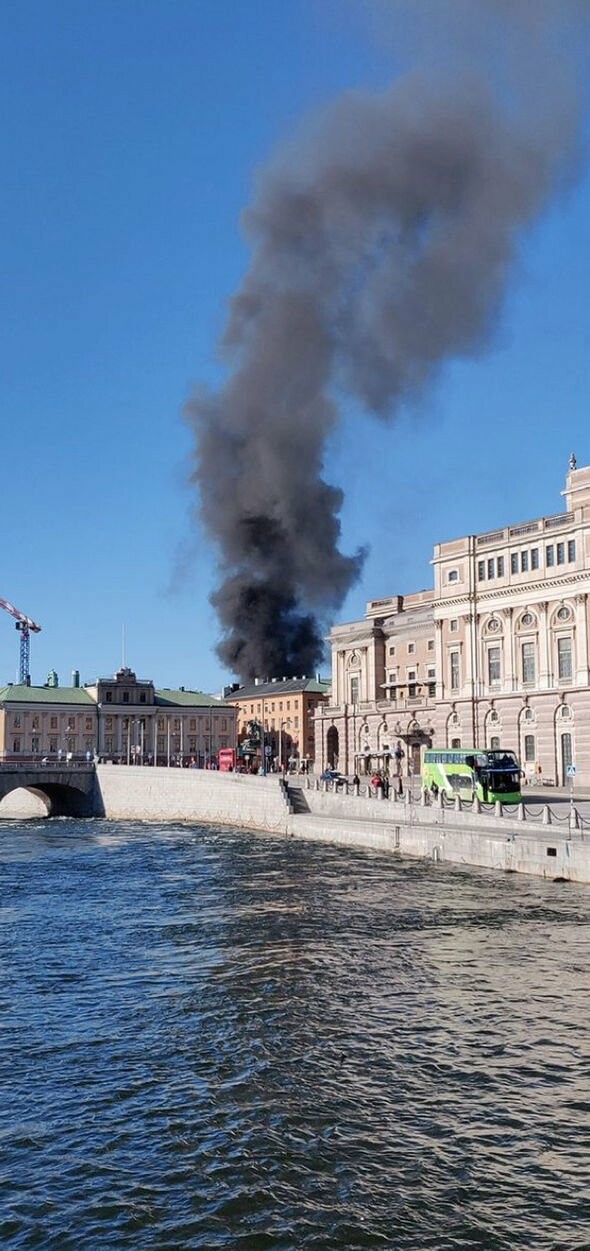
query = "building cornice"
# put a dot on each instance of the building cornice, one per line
(524, 591)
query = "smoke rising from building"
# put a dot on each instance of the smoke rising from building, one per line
(381, 244)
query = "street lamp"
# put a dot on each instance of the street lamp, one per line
(287, 724)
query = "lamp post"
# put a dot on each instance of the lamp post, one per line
(281, 724)
(263, 741)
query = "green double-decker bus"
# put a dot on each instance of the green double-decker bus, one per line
(469, 771)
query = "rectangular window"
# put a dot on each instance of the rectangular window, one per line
(411, 648)
(412, 691)
(142, 697)
(53, 744)
(88, 723)
(192, 725)
(35, 723)
(454, 625)
(529, 748)
(491, 568)
(494, 743)
(481, 570)
(108, 699)
(514, 562)
(524, 562)
(53, 723)
(431, 673)
(564, 658)
(17, 721)
(431, 645)
(411, 675)
(494, 665)
(571, 550)
(528, 663)
(454, 671)
(534, 558)
(500, 564)
(35, 744)
(561, 553)
(354, 690)
(432, 690)
(16, 746)
(550, 555)
(125, 697)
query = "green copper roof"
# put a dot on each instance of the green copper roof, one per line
(45, 695)
(189, 699)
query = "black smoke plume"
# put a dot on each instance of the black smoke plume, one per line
(381, 245)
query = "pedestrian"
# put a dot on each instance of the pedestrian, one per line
(385, 786)
(399, 754)
(400, 785)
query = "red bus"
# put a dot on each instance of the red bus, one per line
(227, 759)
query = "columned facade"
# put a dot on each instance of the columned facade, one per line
(496, 654)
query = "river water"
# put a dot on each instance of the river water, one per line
(217, 1039)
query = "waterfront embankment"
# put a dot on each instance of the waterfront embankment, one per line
(505, 840)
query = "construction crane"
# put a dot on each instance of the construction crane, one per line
(25, 627)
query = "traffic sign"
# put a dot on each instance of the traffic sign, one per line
(571, 771)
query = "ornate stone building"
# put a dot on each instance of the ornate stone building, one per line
(497, 654)
(122, 719)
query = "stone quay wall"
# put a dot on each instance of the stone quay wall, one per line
(159, 794)
(501, 840)
(441, 833)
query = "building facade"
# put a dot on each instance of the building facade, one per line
(496, 654)
(284, 711)
(123, 719)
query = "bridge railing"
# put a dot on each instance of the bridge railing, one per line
(28, 762)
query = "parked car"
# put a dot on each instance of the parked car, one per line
(332, 775)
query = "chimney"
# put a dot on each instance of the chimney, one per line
(75, 677)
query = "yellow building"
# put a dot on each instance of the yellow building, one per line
(123, 719)
(285, 710)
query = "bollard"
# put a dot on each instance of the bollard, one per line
(521, 815)
(498, 808)
(475, 804)
(457, 803)
(423, 799)
(546, 814)
(356, 789)
(573, 823)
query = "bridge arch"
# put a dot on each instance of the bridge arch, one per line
(67, 793)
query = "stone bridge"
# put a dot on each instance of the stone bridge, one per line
(69, 790)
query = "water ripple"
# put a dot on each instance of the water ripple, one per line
(211, 1039)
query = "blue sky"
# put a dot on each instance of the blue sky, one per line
(131, 138)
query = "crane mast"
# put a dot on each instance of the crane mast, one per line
(25, 626)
